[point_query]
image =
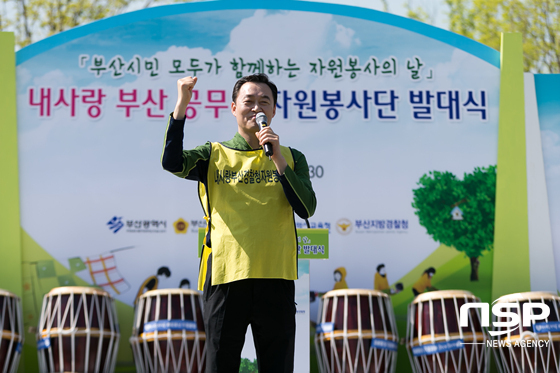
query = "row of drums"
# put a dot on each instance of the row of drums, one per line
(357, 333)
(79, 331)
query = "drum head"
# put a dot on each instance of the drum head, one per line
(77, 290)
(153, 293)
(6, 293)
(443, 294)
(530, 295)
(343, 292)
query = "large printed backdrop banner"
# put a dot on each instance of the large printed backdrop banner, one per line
(375, 102)
(548, 100)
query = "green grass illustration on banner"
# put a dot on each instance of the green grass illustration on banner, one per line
(41, 273)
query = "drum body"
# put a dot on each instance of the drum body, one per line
(78, 331)
(435, 340)
(534, 348)
(168, 332)
(356, 332)
(11, 332)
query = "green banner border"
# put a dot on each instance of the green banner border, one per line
(10, 226)
(511, 272)
(10, 231)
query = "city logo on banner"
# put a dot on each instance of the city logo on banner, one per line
(118, 223)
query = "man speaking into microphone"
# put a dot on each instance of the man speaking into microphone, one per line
(249, 259)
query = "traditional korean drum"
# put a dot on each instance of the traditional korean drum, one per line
(534, 348)
(168, 332)
(11, 331)
(356, 332)
(435, 340)
(78, 331)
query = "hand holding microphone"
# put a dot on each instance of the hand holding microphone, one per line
(262, 121)
(270, 139)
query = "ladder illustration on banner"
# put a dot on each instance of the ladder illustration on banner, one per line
(103, 271)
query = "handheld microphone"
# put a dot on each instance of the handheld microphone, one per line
(262, 121)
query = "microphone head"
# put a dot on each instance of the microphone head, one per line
(261, 119)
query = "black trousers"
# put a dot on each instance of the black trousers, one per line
(265, 304)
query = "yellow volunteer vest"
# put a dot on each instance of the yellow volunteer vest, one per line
(251, 222)
(380, 283)
(423, 283)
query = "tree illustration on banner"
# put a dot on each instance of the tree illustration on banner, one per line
(248, 366)
(459, 213)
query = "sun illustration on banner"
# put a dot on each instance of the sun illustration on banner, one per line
(181, 226)
(344, 226)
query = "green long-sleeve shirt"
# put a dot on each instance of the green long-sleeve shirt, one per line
(193, 165)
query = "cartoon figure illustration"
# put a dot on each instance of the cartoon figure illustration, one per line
(340, 278)
(381, 282)
(424, 283)
(186, 283)
(151, 283)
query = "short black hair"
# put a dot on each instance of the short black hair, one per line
(255, 78)
(380, 266)
(163, 271)
(431, 269)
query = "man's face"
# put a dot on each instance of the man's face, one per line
(253, 98)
